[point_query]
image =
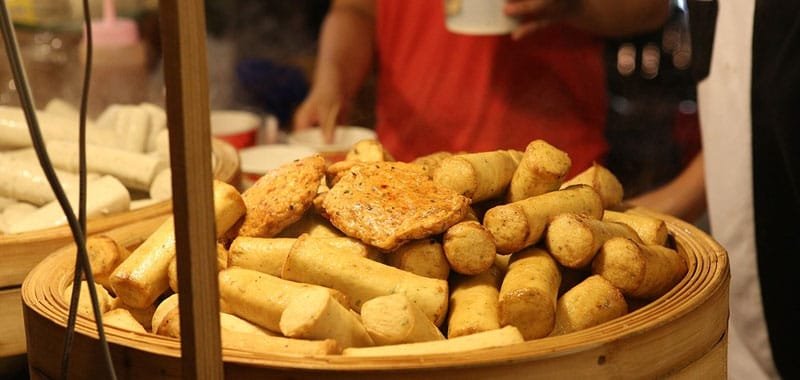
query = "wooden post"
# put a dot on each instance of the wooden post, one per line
(186, 78)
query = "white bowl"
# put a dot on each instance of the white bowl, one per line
(344, 137)
(259, 159)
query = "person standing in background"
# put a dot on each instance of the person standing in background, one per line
(750, 124)
(441, 91)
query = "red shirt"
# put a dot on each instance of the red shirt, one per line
(443, 91)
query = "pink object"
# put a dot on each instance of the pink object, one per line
(112, 31)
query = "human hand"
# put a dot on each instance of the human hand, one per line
(537, 14)
(322, 107)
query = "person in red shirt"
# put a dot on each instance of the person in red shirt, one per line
(438, 90)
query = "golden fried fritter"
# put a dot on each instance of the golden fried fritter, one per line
(388, 203)
(281, 196)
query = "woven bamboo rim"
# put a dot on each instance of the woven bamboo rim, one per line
(690, 317)
(226, 169)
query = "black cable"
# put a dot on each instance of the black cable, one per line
(26, 100)
(87, 75)
(76, 277)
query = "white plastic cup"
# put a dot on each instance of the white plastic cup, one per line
(478, 17)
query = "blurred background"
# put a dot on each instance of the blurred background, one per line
(262, 54)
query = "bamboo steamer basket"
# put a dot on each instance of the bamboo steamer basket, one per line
(683, 335)
(19, 253)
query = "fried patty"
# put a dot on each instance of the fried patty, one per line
(280, 197)
(386, 204)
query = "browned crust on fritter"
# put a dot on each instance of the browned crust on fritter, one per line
(281, 196)
(389, 203)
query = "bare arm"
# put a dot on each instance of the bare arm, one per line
(347, 43)
(608, 18)
(684, 196)
(345, 57)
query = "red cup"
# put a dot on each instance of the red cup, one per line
(238, 128)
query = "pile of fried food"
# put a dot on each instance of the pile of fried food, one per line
(370, 257)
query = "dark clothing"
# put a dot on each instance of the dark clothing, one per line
(776, 173)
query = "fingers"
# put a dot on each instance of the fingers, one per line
(528, 8)
(306, 115)
(528, 28)
(537, 14)
(328, 122)
(311, 114)
(322, 108)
